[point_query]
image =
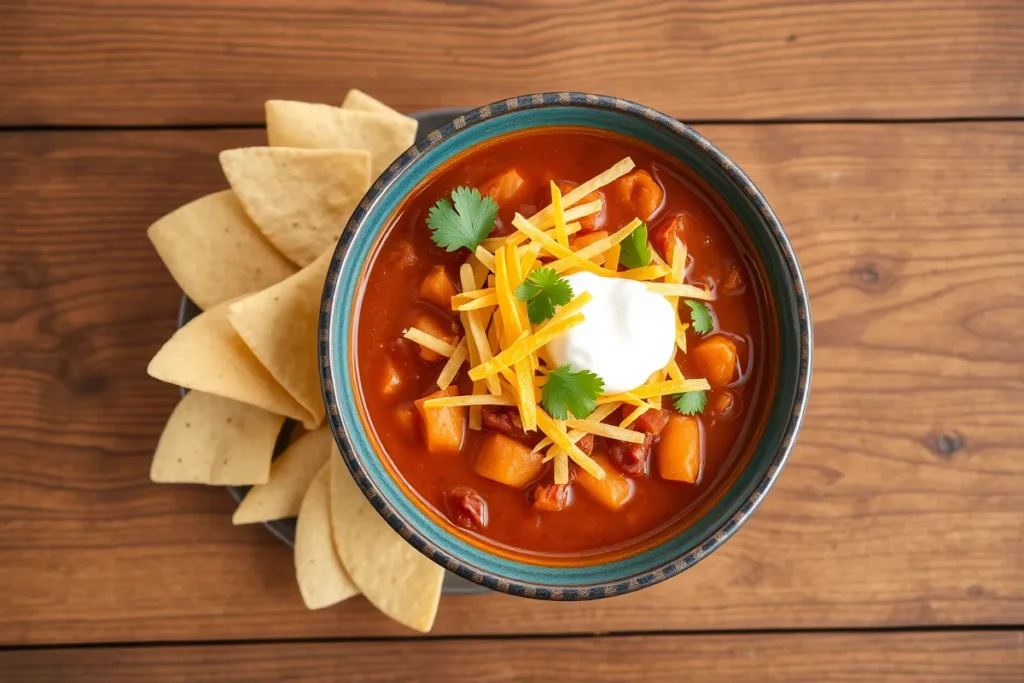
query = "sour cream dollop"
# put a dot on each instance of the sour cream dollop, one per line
(629, 332)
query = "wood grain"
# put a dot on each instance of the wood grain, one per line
(166, 62)
(900, 506)
(947, 657)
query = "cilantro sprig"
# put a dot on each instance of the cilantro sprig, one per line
(568, 392)
(636, 252)
(542, 290)
(464, 224)
(690, 402)
(700, 316)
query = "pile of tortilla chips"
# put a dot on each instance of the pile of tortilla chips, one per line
(254, 258)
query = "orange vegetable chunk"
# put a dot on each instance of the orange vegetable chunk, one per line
(504, 188)
(614, 491)
(594, 220)
(391, 380)
(641, 191)
(716, 358)
(587, 240)
(437, 288)
(679, 449)
(443, 428)
(405, 418)
(434, 328)
(507, 461)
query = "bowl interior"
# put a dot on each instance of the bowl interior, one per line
(779, 269)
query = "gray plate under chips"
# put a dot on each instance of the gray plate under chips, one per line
(284, 529)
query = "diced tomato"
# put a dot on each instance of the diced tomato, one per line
(550, 497)
(631, 458)
(508, 461)
(642, 192)
(434, 328)
(403, 256)
(679, 449)
(651, 422)
(587, 223)
(733, 283)
(438, 288)
(664, 236)
(506, 420)
(466, 508)
(505, 188)
(716, 358)
(443, 428)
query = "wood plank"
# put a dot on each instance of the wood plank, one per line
(165, 62)
(900, 506)
(944, 657)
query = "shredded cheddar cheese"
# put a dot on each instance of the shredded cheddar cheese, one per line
(438, 346)
(472, 400)
(451, 368)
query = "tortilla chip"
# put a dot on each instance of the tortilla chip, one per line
(357, 100)
(322, 579)
(208, 355)
(214, 252)
(279, 325)
(394, 576)
(300, 199)
(321, 126)
(214, 440)
(290, 476)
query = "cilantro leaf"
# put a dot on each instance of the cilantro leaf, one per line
(700, 316)
(690, 402)
(542, 291)
(636, 253)
(466, 224)
(571, 392)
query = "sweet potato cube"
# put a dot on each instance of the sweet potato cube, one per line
(507, 461)
(614, 491)
(443, 428)
(594, 220)
(641, 191)
(679, 449)
(434, 328)
(587, 240)
(437, 288)
(716, 357)
(504, 188)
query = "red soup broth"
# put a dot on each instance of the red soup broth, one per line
(404, 255)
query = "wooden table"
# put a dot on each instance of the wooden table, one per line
(889, 136)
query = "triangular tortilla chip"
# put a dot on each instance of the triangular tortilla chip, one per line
(321, 126)
(279, 325)
(394, 576)
(214, 440)
(208, 355)
(214, 252)
(322, 579)
(290, 476)
(301, 199)
(357, 100)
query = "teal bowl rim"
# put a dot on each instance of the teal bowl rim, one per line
(476, 563)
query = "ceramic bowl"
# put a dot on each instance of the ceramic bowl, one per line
(779, 268)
